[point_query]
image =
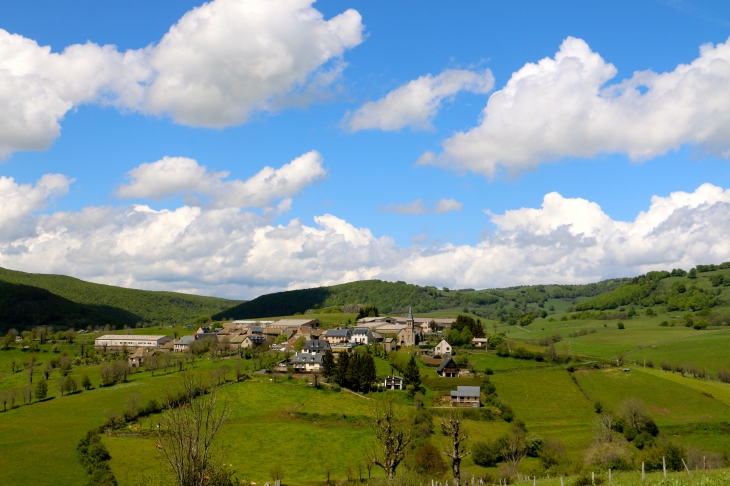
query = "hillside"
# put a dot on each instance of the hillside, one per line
(396, 297)
(22, 306)
(116, 304)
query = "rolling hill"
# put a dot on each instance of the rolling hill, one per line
(396, 297)
(97, 302)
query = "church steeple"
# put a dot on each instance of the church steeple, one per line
(410, 314)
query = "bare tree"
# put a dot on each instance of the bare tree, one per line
(188, 431)
(513, 449)
(634, 413)
(452, 427)
(603, 428)
(392, 433)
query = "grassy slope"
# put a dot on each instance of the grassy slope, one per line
(127, 305)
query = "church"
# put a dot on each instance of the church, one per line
(409, 335)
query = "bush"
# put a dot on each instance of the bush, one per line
(620, 325)
(724, 376)
(664, 324)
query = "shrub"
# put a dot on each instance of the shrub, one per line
(724, 376)
(598, 407)
(664, 324)
(620, 325)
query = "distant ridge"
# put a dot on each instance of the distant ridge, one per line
(396, 297)
(107, 303)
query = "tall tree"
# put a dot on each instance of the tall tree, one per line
(392, 433)
(328, 365)
(452, 427)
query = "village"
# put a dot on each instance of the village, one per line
(307, 347)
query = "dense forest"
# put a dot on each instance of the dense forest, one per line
(22, 306)
(118, 304)
(397, 297)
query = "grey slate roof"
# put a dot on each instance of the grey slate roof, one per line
(185, 340)
(444, 364)
(338, 333)
(316, 345)
(361, 330)
(304, 358)
(466, 391)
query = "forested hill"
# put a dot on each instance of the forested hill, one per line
(23, 307)
(396, 297)
(113, 304)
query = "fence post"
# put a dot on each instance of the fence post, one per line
(593, 477)
(609, 475)
(561, 481)
(534, 480)
(664, 466)
(643, 474)
(685, 466)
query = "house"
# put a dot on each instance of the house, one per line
(138, 358)
(119, 341)
(256, 330)
(362, 335)
(183, 344)
(442, 348)
(337, 336)
(448, 368)
(251, 341)
(314, 346)
(466, 396)
(388, 344)
(393, 383)
(480, 342)
(307, 362)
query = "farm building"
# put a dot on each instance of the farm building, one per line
(118, 341)
(448, 368)
(465, 396)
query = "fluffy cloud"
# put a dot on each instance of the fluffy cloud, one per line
(38, 87)
(232, 252)
(417, 102)
(181, 175)
(18, 202)
(229, 58)
(216, 66)
(563, 107)
(418, 207)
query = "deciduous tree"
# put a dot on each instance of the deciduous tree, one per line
(452, 427)
(392, 433)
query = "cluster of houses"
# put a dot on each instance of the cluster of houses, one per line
(310, 344)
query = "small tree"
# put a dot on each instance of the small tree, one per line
(429, 461)
(299, 343)
(412, 375)
(187, 432)
(513, 447)
(41, 390)
(452, 427)
(392, 433)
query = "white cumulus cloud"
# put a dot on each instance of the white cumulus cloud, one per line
(218, 65)
(18, 202)
(564, 107)
(417, 102)
(181, 175)
(418, 207)
(226, 250)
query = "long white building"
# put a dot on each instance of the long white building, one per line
(130, 341)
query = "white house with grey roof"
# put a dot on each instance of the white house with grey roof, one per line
(314, 346)
(362, 335)
(466, 396)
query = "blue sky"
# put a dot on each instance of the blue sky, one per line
(657, 137)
